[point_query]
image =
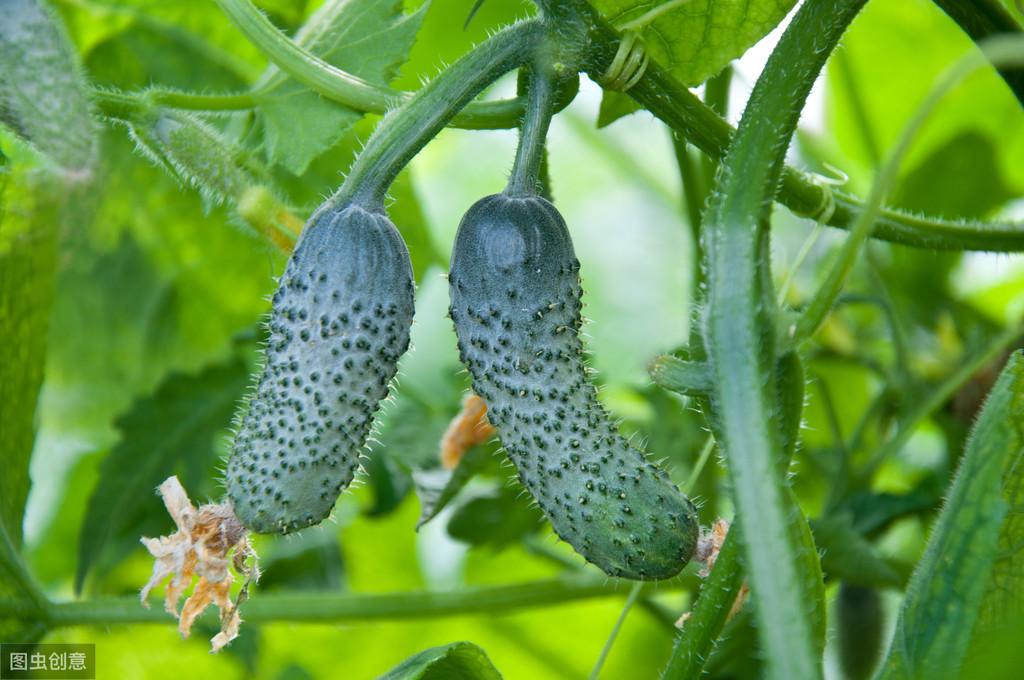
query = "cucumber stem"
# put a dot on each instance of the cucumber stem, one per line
(525, 177)
(405, 131)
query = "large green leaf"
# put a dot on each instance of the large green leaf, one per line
(42, 92)
(963, 582)
(693, 39)
(171, 430)
(368, 38)
(152, 285)
(185, 44)
(457, 661)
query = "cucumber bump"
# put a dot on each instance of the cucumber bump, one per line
(339, 323)
(515, 302)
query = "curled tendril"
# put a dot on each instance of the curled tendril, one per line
(629, 64)
(823, 213)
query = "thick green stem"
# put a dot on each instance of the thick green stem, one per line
(335, 607)
(344, 87)
(710, 612)
(739, 335)
(525, 179)
(405, 131)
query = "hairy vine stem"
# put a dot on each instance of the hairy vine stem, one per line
(405, 131)
(335, 607)
(740, 332)
(670, 101)
(533, 133)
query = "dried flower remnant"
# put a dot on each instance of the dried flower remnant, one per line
(468, 429)
(708, 546)
(207, 542)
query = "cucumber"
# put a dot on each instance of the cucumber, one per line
(515, 302)
(339, 324)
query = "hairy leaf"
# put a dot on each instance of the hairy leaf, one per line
(947, 594)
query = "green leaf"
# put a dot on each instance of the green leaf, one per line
(367, 38)
(28, 263)
(693, 39)
(457, 661)
(175, 427)
(310, 561)
(141, 292)
(495, 518)
(186, 44)
(436, 487)
(615, 105)
(931, 187)
(959, 581)
(42, 91)
(849, 556)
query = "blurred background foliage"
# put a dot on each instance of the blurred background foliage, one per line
(158, 290)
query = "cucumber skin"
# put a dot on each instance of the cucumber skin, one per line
(339, 323)
(515, 302)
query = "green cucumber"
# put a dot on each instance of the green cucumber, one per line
(339, 323)
(515, 302)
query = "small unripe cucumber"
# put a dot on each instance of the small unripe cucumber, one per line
(339, 323)
(515, 301)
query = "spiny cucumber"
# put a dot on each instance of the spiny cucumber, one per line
(339, 323)
(515, 302)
